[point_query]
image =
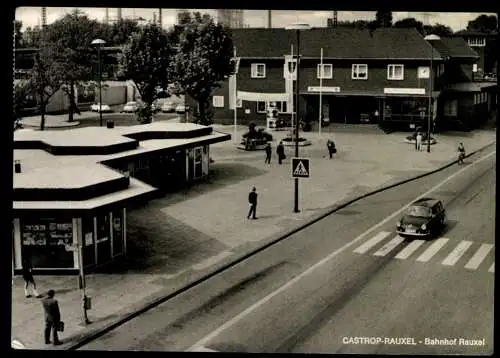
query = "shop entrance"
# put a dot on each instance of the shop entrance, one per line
(344, 109)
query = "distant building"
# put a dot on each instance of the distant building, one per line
(486, 47)
(231, 18)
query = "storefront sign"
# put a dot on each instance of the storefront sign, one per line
(404, 90)
(323, 89)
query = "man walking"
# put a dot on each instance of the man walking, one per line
(280, 150)
(418, 141)
(268, 153)
(52, 317)
(252, 200)
(330, 144)
(29, 280)
(461, 153)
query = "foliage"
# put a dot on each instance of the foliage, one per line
(437, 29)
(145, 60)
(484, 23)
(31, 36)
(258, 135)
(383, 18)
(119, 32)
(21, 91)
(70, 42)
(410, 22)
(204, 59)
(18, 35)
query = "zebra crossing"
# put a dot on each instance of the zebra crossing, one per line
(467, 253)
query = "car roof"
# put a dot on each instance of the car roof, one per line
(429, 202)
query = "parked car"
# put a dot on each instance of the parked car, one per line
(103, 108)
(155, 106)
(181, 108)
(168, 107)
(425, 217)
(130, 107)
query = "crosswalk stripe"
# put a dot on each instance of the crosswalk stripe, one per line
(372, 242)
(492, 268)
(457, 253)
(479, 256)
(432, 250)
(391, 245)
(409, 249)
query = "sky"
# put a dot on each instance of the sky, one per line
(31, 16)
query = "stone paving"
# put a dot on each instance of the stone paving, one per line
(185, 235)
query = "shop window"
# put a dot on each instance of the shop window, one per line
(117, 232)
(45, 242)
(359, 72)
(324, 71)
(218, 101)
(281, 105)
(450, 108)
(103, 239)
(395, 72)
(258, 70)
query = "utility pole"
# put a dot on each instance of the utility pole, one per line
(160, 18)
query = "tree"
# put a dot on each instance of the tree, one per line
(31, 37)
(121, 31)
(70, 39)
(484, 23)
(410, 22)
(204, 59)
(383, 18)
(439, 29)
(21, 91)
(145, 60)
(18, 35)
(45, 80)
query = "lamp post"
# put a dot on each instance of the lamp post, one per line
(297, 27)
(430, 37)
(99, 43)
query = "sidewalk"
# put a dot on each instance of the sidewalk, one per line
(179, 238)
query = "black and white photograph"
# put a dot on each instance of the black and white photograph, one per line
(254, 181)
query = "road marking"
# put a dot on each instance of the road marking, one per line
(492, 268)
(391, 245)
(409, 249)
(241, 315)
(479, 256)
(432, 250)
(457, 253)
(372, 242)
(201, 349)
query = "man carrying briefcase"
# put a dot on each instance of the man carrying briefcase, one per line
(52, 318)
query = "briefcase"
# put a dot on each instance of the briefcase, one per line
(60, 326)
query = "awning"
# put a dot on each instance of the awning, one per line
(470, 86)
(262, 97)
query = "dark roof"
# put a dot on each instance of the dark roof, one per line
(475, 33)
(454, 47)
(342, 43)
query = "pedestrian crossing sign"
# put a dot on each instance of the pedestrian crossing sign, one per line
(300, 168)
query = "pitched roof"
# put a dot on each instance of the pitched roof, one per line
(341, 43)
(454, 47)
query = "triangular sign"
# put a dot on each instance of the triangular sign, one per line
(300, 169)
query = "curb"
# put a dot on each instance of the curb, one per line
(274, 239)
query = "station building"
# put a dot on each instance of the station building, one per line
(72, 188)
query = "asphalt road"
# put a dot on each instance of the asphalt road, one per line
(325, 285)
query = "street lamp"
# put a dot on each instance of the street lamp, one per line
(430, 37)
(297, 27)
(99, 43)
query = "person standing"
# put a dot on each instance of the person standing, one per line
(280, 151)
(418, 141)
(268, 153)
(461, 153)
(252, 200)
(330, 144)
(52, 317)
(29, 280)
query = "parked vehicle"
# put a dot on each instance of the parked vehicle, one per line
(130, 107)
(168, 107)
(155, 106)
(96, 107)
(425, 217)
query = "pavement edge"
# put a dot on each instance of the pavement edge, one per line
(272, 241)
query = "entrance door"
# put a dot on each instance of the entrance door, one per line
(198, 162)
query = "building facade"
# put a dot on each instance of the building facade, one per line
(485, 45)
(382, 76)
(73, 188)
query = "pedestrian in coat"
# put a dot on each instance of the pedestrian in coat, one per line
(52, 317)
(252, 200)
(280, 151)
(330, 144)
(461, 153)
(418, 141)
(29, 280)
(268, 153)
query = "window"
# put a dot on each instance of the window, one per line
(324, 72)
(395, 72)
(474, 67)
(258, 70)
(450, 108)
(281, 105)
(218, 101)
(476, 41)
(440, 69)
(359, 72)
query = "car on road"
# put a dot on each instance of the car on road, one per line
(130, 107)
(168, 107)
(425, 217)
(181, 108)
(103, 108)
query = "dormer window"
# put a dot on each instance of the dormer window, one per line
(476, 41)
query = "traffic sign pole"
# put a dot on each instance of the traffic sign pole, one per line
(297, 121)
